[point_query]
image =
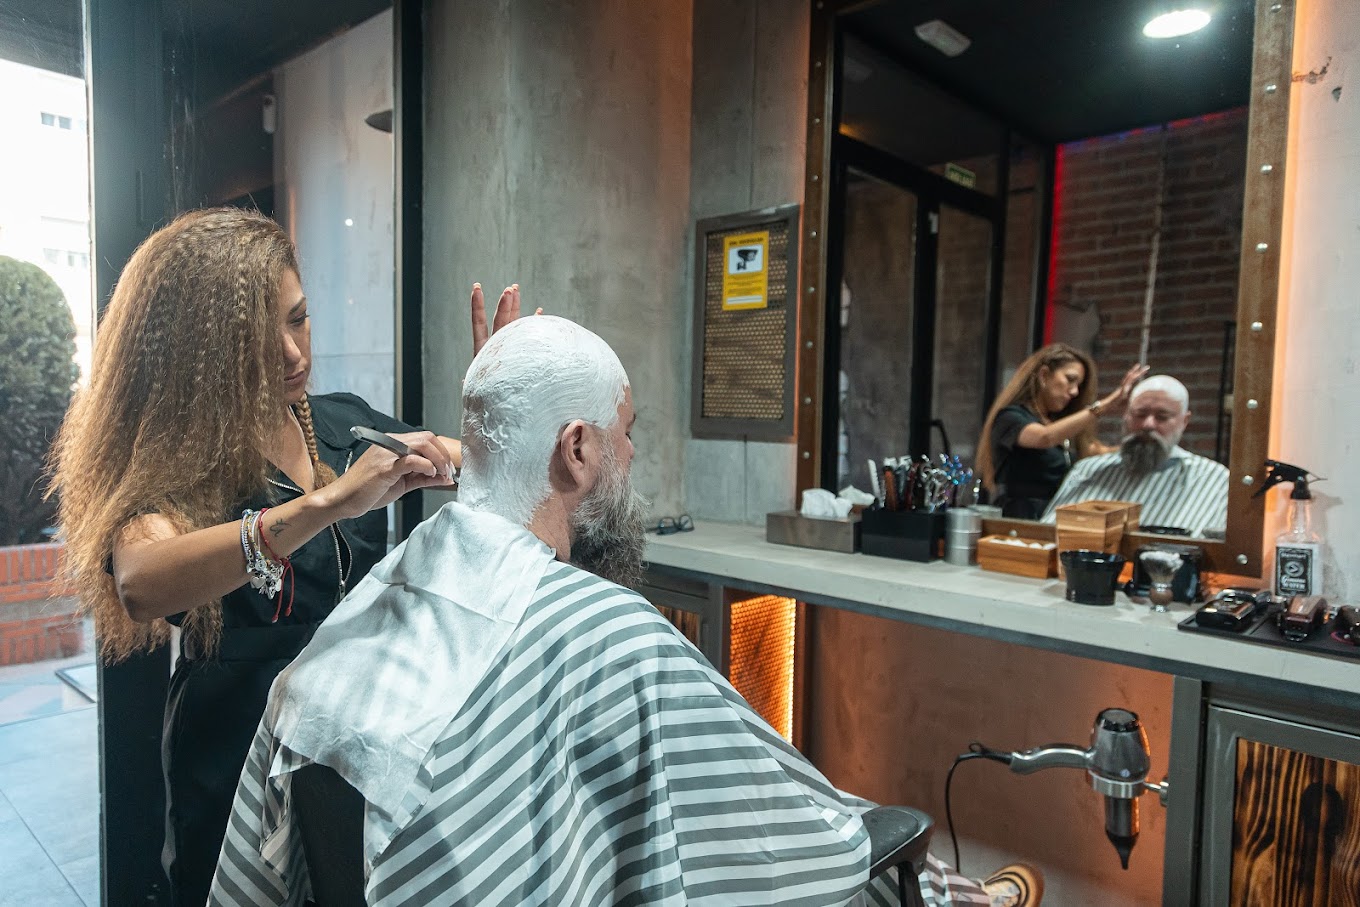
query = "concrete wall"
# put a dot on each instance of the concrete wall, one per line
(747, 136)
(557, 156)
(333, 185)
(1317, 372)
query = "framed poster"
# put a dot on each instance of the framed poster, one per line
(745, 322)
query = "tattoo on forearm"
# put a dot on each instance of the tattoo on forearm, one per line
(279, 525)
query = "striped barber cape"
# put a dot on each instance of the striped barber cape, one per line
(597, 759)
(1188, 491)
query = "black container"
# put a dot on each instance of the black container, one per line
(909, 535)
(1185, 585)
(1091, 575)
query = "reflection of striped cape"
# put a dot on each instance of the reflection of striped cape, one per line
(601, 761)
(1188, 491)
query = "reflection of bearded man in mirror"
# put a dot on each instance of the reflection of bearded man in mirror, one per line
(1178, 489)
(1154, 422)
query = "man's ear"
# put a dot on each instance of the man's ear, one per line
(572, 442)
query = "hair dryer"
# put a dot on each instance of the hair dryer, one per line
(1117, 762)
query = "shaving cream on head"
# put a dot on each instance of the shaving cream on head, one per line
(532, 378)
(1167, 385)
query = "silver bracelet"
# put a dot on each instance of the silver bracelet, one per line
(266, 576)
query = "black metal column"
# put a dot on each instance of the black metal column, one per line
(408, 161)
(128, 169)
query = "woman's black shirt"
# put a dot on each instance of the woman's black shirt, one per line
(335, 559)
(1026, 477)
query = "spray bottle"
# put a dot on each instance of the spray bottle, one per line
(1298, 550)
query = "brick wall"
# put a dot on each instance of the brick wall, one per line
(1106, 203)
(37, 613)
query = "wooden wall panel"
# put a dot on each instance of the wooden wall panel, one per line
(1296, 829)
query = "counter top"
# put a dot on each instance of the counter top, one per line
(995, 605)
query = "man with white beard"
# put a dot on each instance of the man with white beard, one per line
(523, 729)
(1176, 487)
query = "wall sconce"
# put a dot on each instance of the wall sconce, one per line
(381, 121)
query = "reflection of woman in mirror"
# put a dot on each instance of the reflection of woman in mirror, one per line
(202, 487)
(1043, 422)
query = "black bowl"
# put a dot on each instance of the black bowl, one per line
(1091, 575)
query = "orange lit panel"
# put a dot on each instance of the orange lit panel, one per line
(761, 662)
(687, 622)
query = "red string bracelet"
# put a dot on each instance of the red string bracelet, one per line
(287, 571)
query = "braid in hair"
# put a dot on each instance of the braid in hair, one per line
(321, 473)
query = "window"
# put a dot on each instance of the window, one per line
(70, 259)
(61, 122)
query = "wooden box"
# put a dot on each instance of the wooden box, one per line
(1095, 525)
(1099, 516)
(789, 527)
(1000, 554)
(1075, 539)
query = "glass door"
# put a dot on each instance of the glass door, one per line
(913, 327)
(877, 305)
(963, 278)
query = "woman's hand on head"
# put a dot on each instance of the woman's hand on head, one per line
(379, 477)
(507, 310)
(1119, 398)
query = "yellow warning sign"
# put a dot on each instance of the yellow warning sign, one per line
(745, 271)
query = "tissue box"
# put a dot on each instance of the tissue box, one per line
(910, 535)
(997, 554)
(789, 527)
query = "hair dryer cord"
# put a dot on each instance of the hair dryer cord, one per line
(975, 751)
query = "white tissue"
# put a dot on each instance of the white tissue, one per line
(855, 496)
(820, 504)
(1021, 543)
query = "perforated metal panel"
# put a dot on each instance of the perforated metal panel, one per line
(743, 358)
(761, 666)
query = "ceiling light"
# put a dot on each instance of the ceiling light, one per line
(943, 37)
(1176, 23)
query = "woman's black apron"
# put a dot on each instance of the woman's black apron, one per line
(216, 700)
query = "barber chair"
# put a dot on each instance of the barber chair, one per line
(330, 815)
(899, 836)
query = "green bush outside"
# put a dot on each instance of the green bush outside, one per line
(37, 374)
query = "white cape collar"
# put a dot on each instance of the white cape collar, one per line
(399, 657)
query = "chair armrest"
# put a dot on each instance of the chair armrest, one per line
(897, 834)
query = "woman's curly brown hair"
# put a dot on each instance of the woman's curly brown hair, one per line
(184, 397)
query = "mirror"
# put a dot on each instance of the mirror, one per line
(287, 108)
(1073, 181)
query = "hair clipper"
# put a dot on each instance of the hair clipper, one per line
(1347, 623)
(1232, 609)
(1302, 615)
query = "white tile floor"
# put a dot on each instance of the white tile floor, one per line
(49, 789)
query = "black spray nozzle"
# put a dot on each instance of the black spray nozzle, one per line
(1278, 471)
